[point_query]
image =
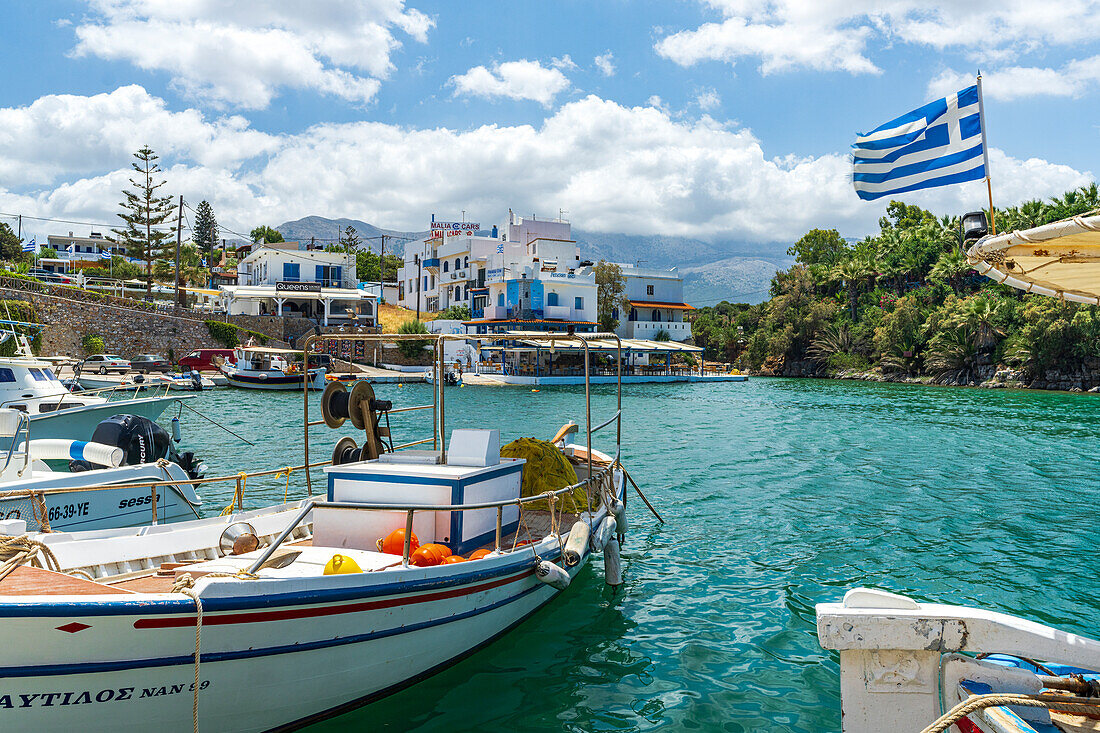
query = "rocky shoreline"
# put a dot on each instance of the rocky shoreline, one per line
(1083, 379)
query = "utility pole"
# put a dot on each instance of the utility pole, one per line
(418, 283)
(179, 237)
(381, 269)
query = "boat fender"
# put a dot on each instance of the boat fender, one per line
(177, 434)
(574, 546)
(478, 554)
(552, 575)
(619, 510)
(341, 564)
(612, 564)
(603, 534)
(394, 543)
(100, 454)
(425, 557)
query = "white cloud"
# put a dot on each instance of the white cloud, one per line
(521, 79)
(565, 63)
(1016, 82)
(833, 35)
(707, 99)
(605, 63)
(615, 168)
(240, 53)
(654, 101)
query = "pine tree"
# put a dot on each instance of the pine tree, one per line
(143, 210)
(350, 241)
(206, 230)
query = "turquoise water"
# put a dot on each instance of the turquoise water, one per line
(777, 494)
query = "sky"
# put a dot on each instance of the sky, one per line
(727, 120)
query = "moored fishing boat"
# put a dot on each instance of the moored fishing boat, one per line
(411, 560)
(260, 367)
(909, 665)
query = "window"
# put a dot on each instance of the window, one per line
(466, 262)
(578, 303)
(649, 290)
(291, 271)
(551, 298)
(458, 263)
(425, 282)
(7, 375)
(633, 314)
(38, 375)
(444, 265)
(500, 303)
(656, 315)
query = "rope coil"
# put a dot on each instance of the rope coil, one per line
(1060, 703)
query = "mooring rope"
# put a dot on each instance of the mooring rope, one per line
(16, 550)
(1061, 703)
(185, 584)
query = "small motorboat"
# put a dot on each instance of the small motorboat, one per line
(260, 367)
(56, 484)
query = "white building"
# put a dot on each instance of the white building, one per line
(657, 304)
(289, 278)
(83, 248)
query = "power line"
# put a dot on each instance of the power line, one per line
(70, 221)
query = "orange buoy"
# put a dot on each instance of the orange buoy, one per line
(452, 559)
(534, 390)
(394, 543)
(478, 554)
(442, 552)
(424, 558)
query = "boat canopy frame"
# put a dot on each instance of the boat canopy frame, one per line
(438, 406)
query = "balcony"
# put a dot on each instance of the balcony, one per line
(557, 312)
(677, 330)
(496, 312)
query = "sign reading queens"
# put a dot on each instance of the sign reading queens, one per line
(283, 286)
(456, 226)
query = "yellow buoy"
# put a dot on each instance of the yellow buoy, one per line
(340, 564)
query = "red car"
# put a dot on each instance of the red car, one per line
(203, 359)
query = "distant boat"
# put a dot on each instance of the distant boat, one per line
(260, 367)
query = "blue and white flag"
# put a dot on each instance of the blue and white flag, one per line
(500, 248)
(936, 145)
(30, 246)
(71, 250)
(105, 254)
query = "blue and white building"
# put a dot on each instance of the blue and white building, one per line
(656, 304)
(289, 278)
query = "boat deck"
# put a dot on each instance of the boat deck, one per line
(31, 581)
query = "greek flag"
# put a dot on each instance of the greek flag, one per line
(105, 254)
(500, 248)
(936, 145)
(71, 250)
(30, 246)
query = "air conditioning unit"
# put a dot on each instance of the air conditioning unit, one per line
(454, 275)
(462, 275)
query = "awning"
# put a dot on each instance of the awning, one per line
(1061, 260)
(601, 345)
(658, 304)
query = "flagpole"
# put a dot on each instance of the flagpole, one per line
(985, 157)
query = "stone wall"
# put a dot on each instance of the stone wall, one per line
(127, 331)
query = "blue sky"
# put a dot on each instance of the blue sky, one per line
(722, 119)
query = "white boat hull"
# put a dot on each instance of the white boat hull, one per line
(82, 421)
(103, 508)
(273, 665)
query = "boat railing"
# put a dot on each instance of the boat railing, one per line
(438, 367)
(116, 393)
(603, 480)
(36, 496)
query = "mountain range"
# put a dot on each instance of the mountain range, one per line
(712, 270)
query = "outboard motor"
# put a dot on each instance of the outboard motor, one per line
(196, 380)
(141, 441)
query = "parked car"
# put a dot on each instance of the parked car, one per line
(47, 276)
(146, 363)
(103, 363)
(203, 359)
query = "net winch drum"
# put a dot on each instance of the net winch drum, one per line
(347, 452)
(361, 407)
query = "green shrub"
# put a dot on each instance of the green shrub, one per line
(662, 335)
(20, 310)
(229, 335)
(411, 349)
(456, 313)
(93, 344)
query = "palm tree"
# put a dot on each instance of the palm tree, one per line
(833, 339)
(982, 314)
(851, 271)
(950, 268)
(952, 356)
